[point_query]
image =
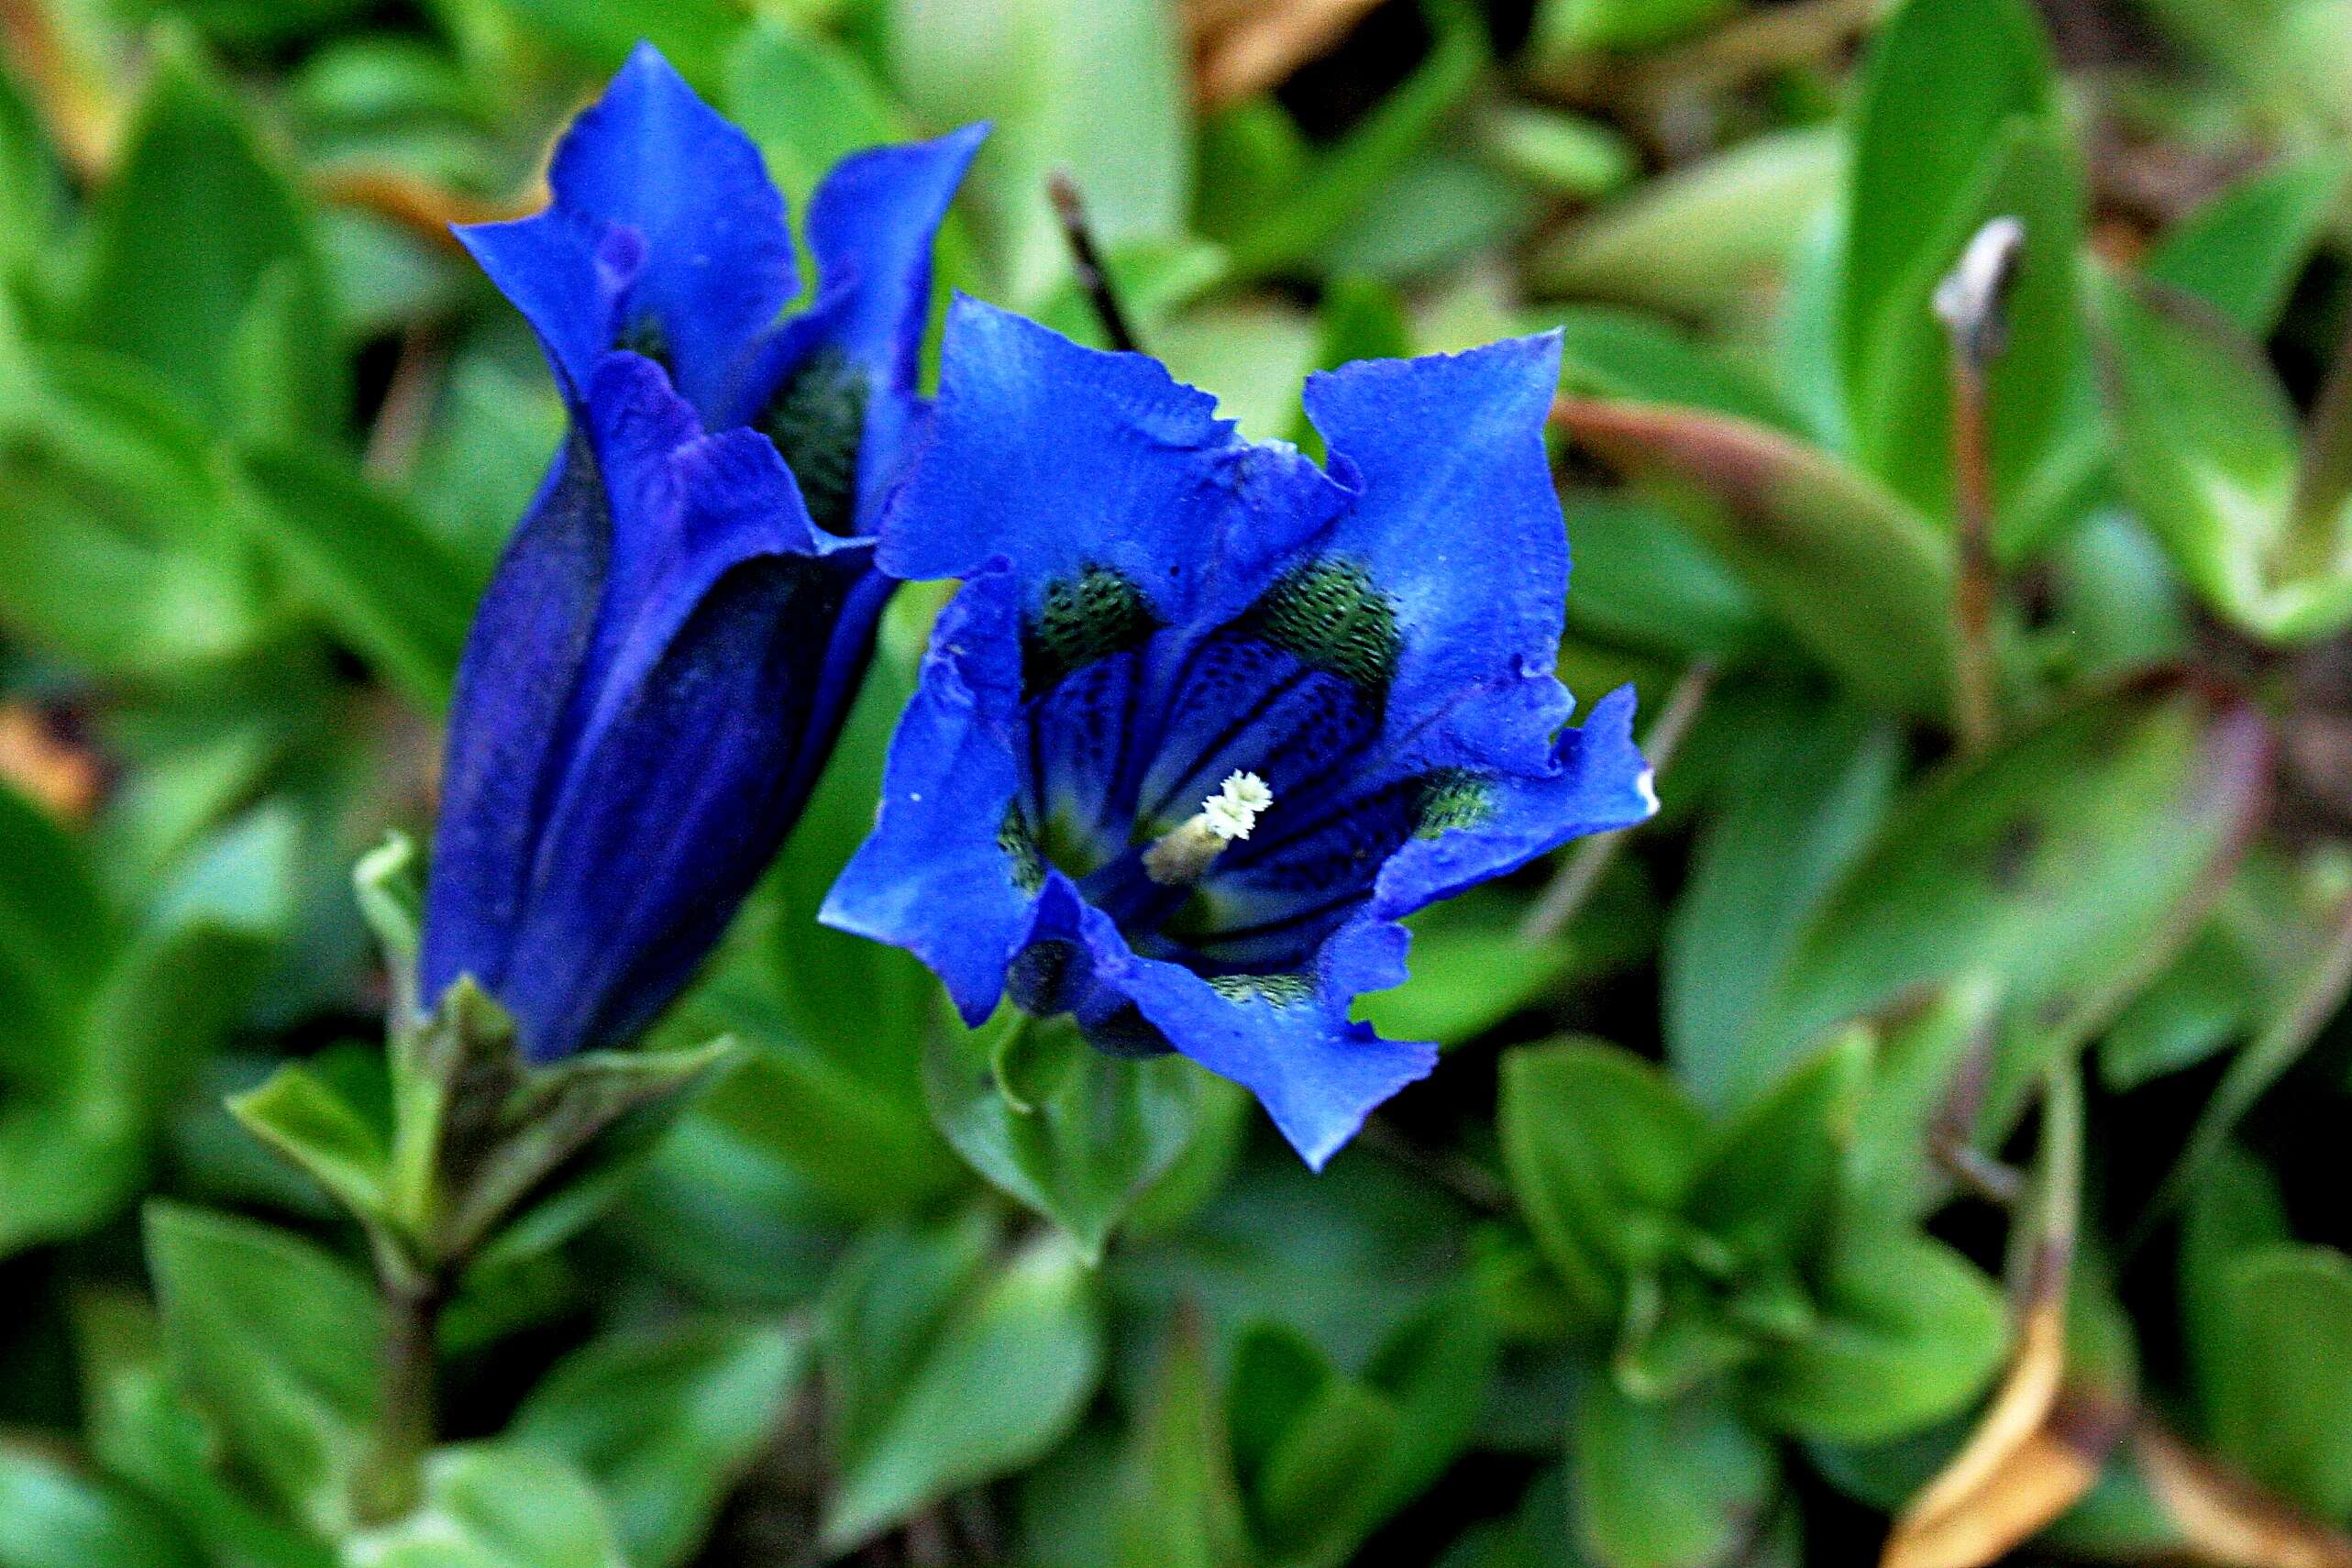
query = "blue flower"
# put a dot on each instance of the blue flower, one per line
(662, 661)
(1204, 722)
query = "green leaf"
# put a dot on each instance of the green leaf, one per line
(145, 1431)
(496, 1506)
(185, 980)
(884, 1308)
(305, 1119)
(1691, 242)
(1329, 1456)
(1076, 1134)
(2069, 862)
(2282, 1383)
(665, 1421)
(1921, 1053)
(56, 933)
(1567, 29)
(1434, 1371)
(1095, 87)
(2242, 251)
(194, 220)
(1601, 1150)
(1002, 1381)
(1645, 581)
(385, 584)
(2210, 453)
(1315, 1476)
(1909, 1332)
(1901, 398)
(2235, 1211)
(693, 35)
(1859, 577)
(1470, 971)
(1797, 804)
(1764, 1186)
(280, 387)
(806, 101)
(1628, 357)
(1290, 220)
(1677, 1485)
(262, 22)
(1565, 154)
(1944, 84)
(280, 1341)
(483, 457)
(65, 1169)
(31, 188)
(56, 1518)
(1178, 1506)
(112, 494)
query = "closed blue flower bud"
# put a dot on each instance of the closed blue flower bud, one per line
(663, 659)
(1205, 722)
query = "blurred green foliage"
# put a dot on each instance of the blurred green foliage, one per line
(1897, 1138)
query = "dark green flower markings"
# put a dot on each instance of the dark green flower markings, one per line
(1087, 617)
(817, 420)
(1453, 798)
(1278, 991)
(1330, 616)
(1021, 848)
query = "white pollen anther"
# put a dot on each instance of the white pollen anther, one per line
(1184, 853)
(1234, 810)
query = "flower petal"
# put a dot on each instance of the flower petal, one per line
(872, 225)
(521, 661)
(1293, 1046)
(1459, 523)
(938, 876)
(1597, 780)
(674, 807)
(1059, 458)
(710, 262)
(567, 272)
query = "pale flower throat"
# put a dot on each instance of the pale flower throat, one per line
(1182, 855)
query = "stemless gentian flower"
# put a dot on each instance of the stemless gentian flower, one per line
(1205, 721)
(662, 662)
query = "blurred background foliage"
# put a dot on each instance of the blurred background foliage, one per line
(1903, 1145)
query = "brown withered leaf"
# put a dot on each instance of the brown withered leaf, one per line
(1241, 46)
(2038, 1448)
(418, 205)
(44, 767)
(2229, 1522)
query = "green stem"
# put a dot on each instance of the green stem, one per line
(408, 1420)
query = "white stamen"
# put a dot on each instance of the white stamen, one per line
(1182, 855)
(1234, 810)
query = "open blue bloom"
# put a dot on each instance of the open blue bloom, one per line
(662, 662)
(1205, 721)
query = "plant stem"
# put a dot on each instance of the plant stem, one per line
(1973, 586)
(1085, 261)
(408, 1420)
(1970, 302)
(1582, 871)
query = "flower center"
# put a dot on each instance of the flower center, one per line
(1178, 857)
